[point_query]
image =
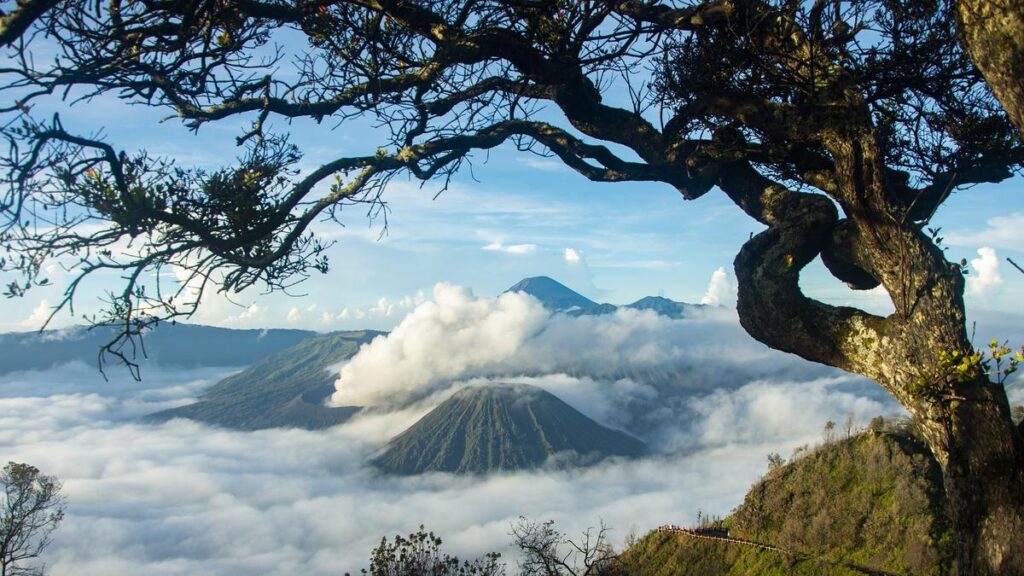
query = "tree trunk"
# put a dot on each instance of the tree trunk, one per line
(992, 31)
(965, 418)
(980, 453)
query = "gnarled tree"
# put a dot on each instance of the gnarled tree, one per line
(841, 127)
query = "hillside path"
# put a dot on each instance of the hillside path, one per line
(720, 536)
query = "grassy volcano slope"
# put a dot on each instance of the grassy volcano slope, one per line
(501, 427)
(284, 390)
(659, 554)
(873, 501)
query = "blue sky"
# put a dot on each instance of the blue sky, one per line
(514, 215)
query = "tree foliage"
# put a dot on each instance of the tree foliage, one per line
(419, 554)
(31, 510)
(447, 78)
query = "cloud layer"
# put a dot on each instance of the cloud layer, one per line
(181, 498)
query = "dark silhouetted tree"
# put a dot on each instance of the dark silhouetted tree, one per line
(841, 127)
(31, 510)
(420, 554)
(547, 552)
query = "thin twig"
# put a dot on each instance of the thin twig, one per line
(1015, 265)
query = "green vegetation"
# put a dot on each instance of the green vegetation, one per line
(871, 502)
(284, 390)
(664, 554)
(31, 508)
(501, 427)
(420, 555)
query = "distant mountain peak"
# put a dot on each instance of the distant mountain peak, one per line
(553, 294)
(501, 427)
(664, 306)
(652, 300)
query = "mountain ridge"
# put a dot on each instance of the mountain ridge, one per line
(168, 344)
(286, 389)
(558, 297)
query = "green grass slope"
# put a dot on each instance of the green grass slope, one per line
(872, 503)
(284, 390)
(663, 554)
(501, 427)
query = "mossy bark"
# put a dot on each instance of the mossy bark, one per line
(965, 418)
(992, 31)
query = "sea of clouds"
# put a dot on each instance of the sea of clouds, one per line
(182, 498)
(635, 370)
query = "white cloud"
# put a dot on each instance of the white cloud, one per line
(181, 498)
(721, 290)
(767, 410)
(1004, 232)
(498, 246)
(985, 275)
(543, 164)
(383, 307)
(572, 256)
(294, 316)
(252, 315)
(642, 264)
(37, 317)
(412, 301)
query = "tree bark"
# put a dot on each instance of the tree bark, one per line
(992, 31)
(980, 451)
(965, 419)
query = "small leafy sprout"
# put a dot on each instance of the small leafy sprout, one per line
(1001, 353)
(960, 367)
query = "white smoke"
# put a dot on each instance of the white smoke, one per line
(442, 338)
(721, 289)
(633, 370)
(457, 336)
